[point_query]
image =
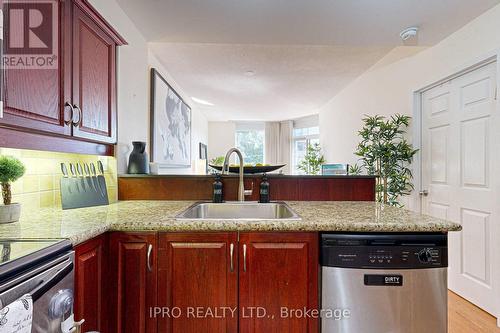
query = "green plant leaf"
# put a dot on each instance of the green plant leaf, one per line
(217, 161)
(313, 160)
(385, 152)
(11, 169)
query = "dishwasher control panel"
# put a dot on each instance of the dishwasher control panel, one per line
(384, 251)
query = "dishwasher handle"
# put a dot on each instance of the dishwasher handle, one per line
(46, 285)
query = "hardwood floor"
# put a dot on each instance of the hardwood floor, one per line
(465, 317)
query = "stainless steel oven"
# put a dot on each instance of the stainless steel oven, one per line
(43, 269)
(384, 283)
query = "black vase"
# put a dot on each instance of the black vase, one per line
(138, 161)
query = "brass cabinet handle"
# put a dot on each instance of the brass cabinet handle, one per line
(150, 249)
(231, 251)
(70, 121)
(80, 116)
(244, 257)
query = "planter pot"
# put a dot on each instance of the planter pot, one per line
(10, 213)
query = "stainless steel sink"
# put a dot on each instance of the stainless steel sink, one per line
(239, 211)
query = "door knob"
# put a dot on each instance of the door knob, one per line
(424, 193)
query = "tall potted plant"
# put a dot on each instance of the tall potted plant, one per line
(311, 164)
(385, 152)
(11, 169)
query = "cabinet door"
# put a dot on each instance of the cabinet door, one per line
(278, 271)
(34, 98)
(89, 278)
(94, 79)
(133, 274)
(198, 270)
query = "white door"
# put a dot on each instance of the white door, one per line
(461, 172)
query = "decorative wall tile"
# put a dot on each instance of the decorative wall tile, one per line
(40, 187)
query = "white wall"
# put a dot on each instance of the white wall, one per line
(134, 62)
(388, 87)
(221, 137)
(132, 74)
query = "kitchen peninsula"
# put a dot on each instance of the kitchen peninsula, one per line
(130, 257)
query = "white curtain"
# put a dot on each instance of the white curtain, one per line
(272, 146)
(286, 128)
(278, 145)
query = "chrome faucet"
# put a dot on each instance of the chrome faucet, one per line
(225, 170)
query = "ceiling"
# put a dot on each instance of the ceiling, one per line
(303, 52)
(289, 81)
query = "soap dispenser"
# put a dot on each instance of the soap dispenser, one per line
(264, 190)
(217, 189)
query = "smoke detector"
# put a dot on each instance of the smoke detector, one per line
(408, 33)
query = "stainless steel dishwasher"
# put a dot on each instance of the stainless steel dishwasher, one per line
(384, 283)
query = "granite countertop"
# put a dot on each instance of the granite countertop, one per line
(79, 225)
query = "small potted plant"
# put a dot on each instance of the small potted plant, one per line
(11, 169)
(312, 161)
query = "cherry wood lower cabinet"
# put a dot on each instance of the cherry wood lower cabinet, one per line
(212, 271)
(198, 271)
(278, 273)
(90, 276)
(221, 282)
(133, 272)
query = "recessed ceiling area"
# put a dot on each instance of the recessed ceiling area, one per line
(282, 59)
(287, 81)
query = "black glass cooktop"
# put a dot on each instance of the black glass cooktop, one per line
(14, 249)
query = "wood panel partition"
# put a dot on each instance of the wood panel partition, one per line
(292, 188)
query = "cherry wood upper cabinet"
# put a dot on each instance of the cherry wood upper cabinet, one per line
(35, 98)
(90, 277)
(278, 270)
(198, 270)
(133, 278)
(94, 79)
(74, 101)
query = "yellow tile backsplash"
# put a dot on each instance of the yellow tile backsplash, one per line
(40, 187)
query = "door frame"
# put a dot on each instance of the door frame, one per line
(478, 62)
(491, 57)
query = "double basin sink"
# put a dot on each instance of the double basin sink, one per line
(239, 211)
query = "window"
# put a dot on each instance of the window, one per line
(250, 141)
(305, 133)
(308, 131)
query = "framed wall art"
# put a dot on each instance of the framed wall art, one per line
(170, 125)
